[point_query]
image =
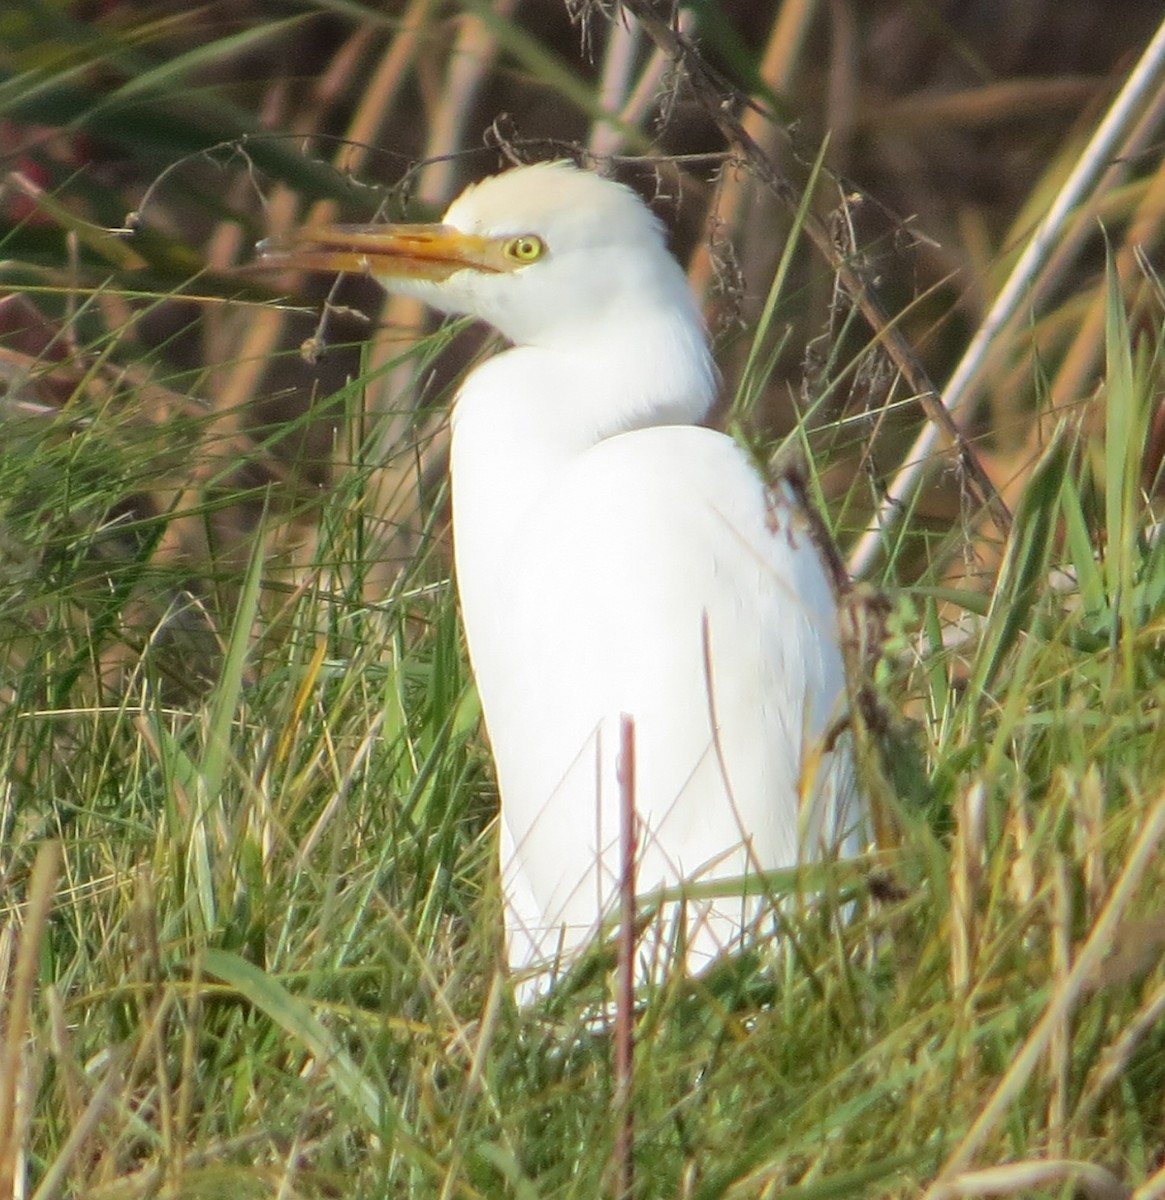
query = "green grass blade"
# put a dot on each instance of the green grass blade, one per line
(757, 370)
(1122, 445)
(295, 1017)
(1026, 563)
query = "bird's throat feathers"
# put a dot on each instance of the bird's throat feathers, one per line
(526, 421)
(620, 377)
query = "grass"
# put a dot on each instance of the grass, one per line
(261, 955)
(249, 914)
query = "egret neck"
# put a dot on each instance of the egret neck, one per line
(523, 416)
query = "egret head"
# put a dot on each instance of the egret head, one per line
(543, 253)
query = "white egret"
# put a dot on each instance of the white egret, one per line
(613, 556)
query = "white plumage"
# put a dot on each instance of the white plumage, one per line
(614, 557)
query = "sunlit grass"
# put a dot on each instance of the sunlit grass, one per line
(249, 913)
(270, 958)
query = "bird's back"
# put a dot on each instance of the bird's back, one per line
(657, 577)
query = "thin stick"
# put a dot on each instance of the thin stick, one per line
(1060, 1006)
(16, 1011)
(625, 995)
(719, 99)
(1013, 1179)
(1015, 295)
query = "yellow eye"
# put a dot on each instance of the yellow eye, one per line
(524, 249)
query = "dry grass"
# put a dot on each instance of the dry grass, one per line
(248, 920)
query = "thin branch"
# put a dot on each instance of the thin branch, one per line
(719, 99)
(1015, 297)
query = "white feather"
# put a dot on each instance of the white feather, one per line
(613, 557)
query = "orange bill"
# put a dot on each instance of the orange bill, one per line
(383, 251)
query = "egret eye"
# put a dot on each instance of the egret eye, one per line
(524, 249)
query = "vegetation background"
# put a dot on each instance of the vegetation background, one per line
(249, 923)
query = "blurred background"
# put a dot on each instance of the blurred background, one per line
(207, 127)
